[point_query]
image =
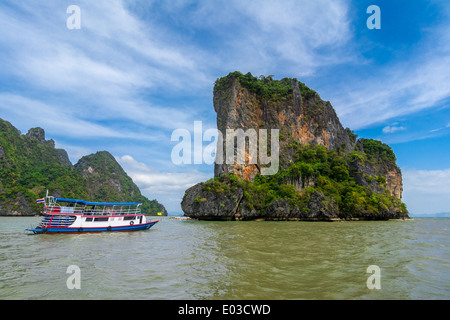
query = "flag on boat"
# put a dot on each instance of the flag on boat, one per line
(42, 200)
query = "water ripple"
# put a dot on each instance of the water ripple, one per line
(230, 260)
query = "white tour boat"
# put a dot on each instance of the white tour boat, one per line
(78, 216)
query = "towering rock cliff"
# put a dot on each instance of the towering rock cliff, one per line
(30, 165)
(324, 172)
(244, 102)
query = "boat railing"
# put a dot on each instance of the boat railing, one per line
(57, 221)
(91, 212)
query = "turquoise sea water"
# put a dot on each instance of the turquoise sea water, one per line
(230, 260)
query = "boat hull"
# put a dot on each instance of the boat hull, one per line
(129, 228)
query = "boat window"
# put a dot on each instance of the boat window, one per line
(129, 218)
(98, 219)
(67, 209)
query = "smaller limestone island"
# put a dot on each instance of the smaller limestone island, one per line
(325, 172)
(30, 165)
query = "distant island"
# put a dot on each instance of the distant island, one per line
(325, 172)
(30, 165)
(433, 215)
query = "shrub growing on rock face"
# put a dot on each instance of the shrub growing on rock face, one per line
(264, 87)
(378, 150)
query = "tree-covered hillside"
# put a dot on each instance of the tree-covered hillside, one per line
(30, 165)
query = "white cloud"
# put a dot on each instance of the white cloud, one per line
(426, 191)
(55, 119)
(112, 47)
(107, 70)
(393, 129)
(60, 121)
(163, 185)
(386, 97)
(288, 37)
(118, 60)
(297, 35)
(398, 88)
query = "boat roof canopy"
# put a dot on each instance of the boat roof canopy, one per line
(88, 203)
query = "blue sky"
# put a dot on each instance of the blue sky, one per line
(138, 70)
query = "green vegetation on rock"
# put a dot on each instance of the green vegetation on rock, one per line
(264, 87)
(378, 150)
(328, 173)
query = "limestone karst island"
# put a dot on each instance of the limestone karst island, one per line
(325, 172)
(30, 165)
